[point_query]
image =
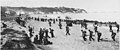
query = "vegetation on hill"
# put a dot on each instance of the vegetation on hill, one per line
(5, 12)
(47, 10)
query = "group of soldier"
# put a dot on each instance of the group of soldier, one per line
(83, 25)
(99, 34)
(42, 36)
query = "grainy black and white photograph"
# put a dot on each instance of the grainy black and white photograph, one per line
(59, 24)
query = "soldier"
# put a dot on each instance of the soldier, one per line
(90, 36)
(32, 17)
(36, 39)
(95, 26)
(30, 30)
(82, 24)
(60, 25)
(85, 24)
(41, 19)
(54, 21)
(110, 26)
(49, 23)
(84, 35)
(99, 35)
(59, 20)
(41, 34)
(67, 30)
(45, 41)
(37, 19)
(117, 25)
(113, 35)
(51, 31)
(46, 33)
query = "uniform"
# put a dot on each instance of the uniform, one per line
(91, 34)
(117, 27)
(110, 26)
(67, 30)
(113, 35)
(84, 35)
(36, 39)
(85, 25)
(50, 23)
(99, 36)
(51, 31)
(95, 27)
(41, 34)
(46, 33)
(30, 30)
(54, 21)
(60, 26)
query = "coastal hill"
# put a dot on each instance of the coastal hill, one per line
(45, 10)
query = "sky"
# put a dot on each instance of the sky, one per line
(89, 5)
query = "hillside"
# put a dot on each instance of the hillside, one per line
(47, 10)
